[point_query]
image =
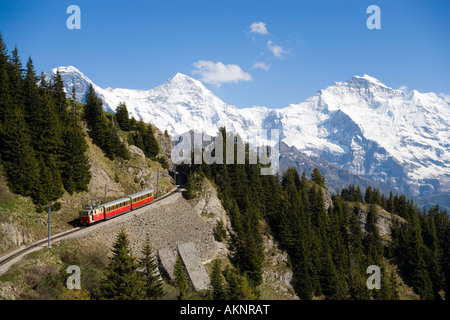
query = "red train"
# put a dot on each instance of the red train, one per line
(117, 207)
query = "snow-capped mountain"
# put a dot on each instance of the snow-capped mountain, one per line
(361, 125)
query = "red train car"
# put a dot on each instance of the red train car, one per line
(142, 198)
(117, 207)
(91, 215)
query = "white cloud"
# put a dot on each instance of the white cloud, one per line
(218, 73)
(403, 88)
(276, 49)
(261, 65)
(258, 27)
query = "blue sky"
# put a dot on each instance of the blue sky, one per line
(295, 48)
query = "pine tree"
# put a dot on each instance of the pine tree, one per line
(50, 186)
(357, 261)
(180, 278)
(190, 187)
(217, 281)
(122, 117)
(318, 178)
(368, 197)
(372, 241)
(113, 146)
(3, 54)
(16, 79)
(237, 286)
(150, 273)
(59, 95)
(151, 146)
(220, 234)
(301, 279)
(46, 130)
(32, 101)
(5, 100)
(75, 173)
(122, 280)
(95, 120)
(359, 197)
(250, 251)
(18, 157)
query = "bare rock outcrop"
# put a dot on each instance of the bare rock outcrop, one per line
(12, 236)
(384, 219)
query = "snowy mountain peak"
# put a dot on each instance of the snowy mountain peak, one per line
(180, 77)
(365, 81)
(66, 69)
(186, 83)
(71, 76)
(360, 125)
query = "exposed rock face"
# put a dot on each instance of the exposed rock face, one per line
(8, 291)
(194, 267)
(167, 260)
(277, 275)
(136, 151)
(208, 205)
(165, 145)
(384, 219)
(327, 198)
(99, 179)
(13, 236)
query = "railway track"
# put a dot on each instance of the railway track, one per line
(20, 253)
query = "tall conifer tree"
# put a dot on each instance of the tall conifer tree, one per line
(122, 280)
(150, 273)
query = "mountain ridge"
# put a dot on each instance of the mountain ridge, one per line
(361, 125)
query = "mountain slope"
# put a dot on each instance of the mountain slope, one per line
(361, 125)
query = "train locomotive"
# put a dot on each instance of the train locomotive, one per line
(117, 207)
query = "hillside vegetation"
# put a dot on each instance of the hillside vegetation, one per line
(277, 229)
(331, 241)
(64, 153)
